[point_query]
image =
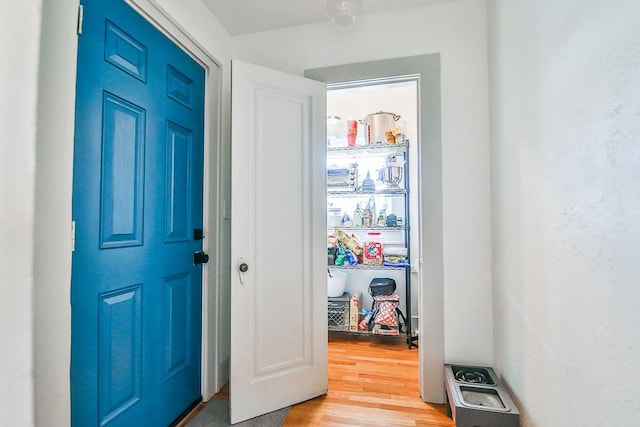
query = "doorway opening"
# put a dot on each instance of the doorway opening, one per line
(373, 130)
(429, 162)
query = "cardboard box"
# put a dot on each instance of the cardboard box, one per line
(354, 311)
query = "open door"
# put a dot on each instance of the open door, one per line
(278, 258)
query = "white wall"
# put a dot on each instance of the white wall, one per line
(52, 266)
(52, 263)
(457, 30)
(565, 90)
(19, 47)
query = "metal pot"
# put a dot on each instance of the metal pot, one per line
(376, 125)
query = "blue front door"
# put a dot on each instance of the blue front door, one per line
(137, 205)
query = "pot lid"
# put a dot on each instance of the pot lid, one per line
(380, 112)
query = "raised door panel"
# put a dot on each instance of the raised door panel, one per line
(123, 144)
(119, 351)
(282, 207)
(177, 323)
(178, 183)
(125, 52)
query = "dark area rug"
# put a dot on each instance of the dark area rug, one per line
(216, 414)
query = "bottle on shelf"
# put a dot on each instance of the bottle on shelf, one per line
(366, 217)
(371, 204)
(357, 216)
(382, 217)
(352, 132)
(346, 221)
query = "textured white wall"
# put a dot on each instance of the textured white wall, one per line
(19, 47)
(565, 91)
(457, 30)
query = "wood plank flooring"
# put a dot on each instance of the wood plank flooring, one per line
(372, 382)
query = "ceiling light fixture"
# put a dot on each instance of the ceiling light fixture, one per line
(343, 12)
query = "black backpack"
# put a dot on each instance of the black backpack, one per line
(382, 286)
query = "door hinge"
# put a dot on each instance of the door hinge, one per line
(80, 18)
(73, 236)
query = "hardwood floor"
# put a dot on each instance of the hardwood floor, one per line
(372, 382)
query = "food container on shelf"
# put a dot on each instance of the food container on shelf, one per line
(335, 217)
(372, 254)
(336, 129)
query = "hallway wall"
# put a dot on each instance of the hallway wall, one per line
(19, 48)
(565, 156)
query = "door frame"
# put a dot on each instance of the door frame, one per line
(212, 177)
(431, 263)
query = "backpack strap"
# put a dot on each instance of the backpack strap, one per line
(402, 326)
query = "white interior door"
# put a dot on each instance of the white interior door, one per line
(278, 305)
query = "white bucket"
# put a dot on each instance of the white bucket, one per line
(336, 284)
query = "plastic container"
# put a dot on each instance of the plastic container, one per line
(336, 283)
(335, 217)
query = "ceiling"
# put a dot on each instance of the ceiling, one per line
(249, 16)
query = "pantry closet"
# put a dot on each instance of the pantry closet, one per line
(426, 192)
(371, 173)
